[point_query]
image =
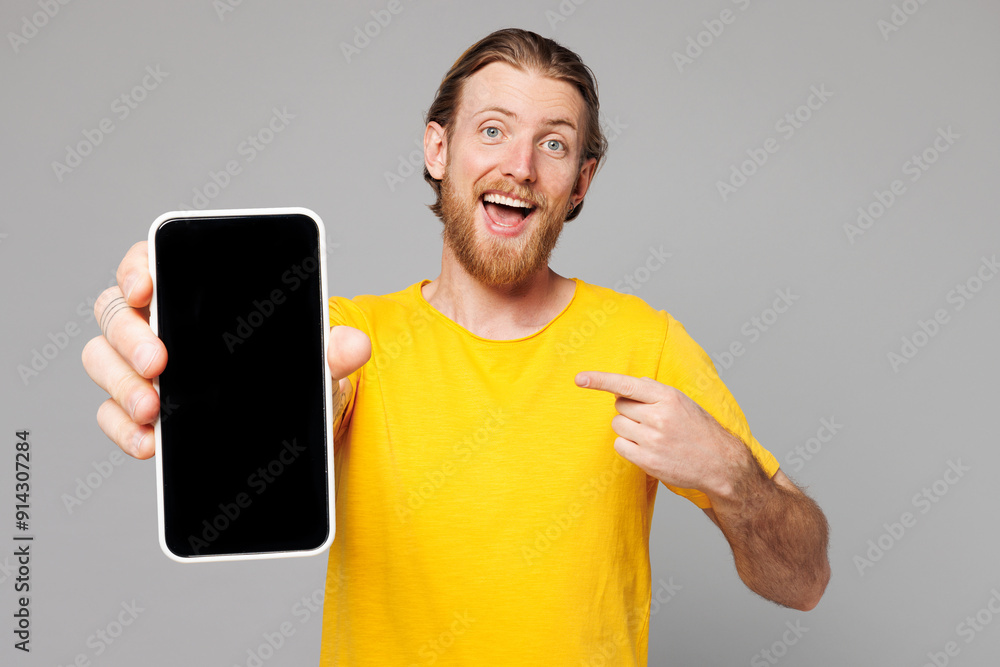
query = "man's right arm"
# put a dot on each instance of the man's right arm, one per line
(126, 358)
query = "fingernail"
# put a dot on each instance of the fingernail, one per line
(144, 356)
(129, 285)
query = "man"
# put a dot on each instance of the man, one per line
(498, 456)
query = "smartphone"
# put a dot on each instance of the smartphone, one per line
(244, 439)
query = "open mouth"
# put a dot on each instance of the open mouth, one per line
(504, 211)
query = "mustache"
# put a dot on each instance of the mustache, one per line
(517, 191)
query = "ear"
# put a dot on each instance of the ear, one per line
(435, 150)
(583, 181)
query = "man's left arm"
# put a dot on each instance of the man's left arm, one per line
(777, 533)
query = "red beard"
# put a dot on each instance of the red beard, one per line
(495, 260)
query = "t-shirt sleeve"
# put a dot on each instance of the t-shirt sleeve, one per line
(345, 312)
(684, 365)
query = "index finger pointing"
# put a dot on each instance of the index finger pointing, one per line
(617, 384)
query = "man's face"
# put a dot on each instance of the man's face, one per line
(512, 168)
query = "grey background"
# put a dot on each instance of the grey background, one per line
(675, 135)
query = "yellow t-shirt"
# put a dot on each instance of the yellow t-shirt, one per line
(483, 516)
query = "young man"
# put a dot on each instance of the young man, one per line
(498, 456)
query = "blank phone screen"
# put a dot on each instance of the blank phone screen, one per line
(242, 398)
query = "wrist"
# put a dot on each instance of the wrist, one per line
(741, 482)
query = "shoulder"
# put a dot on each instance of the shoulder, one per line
(359, 311)
(623, 308)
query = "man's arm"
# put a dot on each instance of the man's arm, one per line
(777, 534)
(779, 538)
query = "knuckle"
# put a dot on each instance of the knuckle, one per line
(122, 430)
(671, 397)
(102, 410)
(103, 299)
(659, 421)
(123, 388)
(107, 418)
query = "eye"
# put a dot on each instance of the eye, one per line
(492, 132)
(554, 145)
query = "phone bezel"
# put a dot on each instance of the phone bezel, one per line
(327, 381)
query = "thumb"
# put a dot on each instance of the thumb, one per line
(349, 350)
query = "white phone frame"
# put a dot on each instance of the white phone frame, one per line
(327, 383)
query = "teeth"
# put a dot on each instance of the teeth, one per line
(506, 201)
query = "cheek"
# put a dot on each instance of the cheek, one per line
(560, 183)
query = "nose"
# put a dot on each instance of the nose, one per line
(519, 161)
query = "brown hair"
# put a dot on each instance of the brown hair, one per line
(526, 51)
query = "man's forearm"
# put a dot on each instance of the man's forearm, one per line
(778, 536)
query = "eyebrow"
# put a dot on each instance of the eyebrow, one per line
(550, 122)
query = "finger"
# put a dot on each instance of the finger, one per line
(638, 389)
(128, 332)
(134, 439)
(349, 350)
(133, 276)
(634, 410)
(133, 393)
(629, 429)
(631, 452)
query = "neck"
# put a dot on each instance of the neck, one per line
(502, 312)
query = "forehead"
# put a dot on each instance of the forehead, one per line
(533, 97)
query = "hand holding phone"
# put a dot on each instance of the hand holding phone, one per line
(125, 358)
(244, 441)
